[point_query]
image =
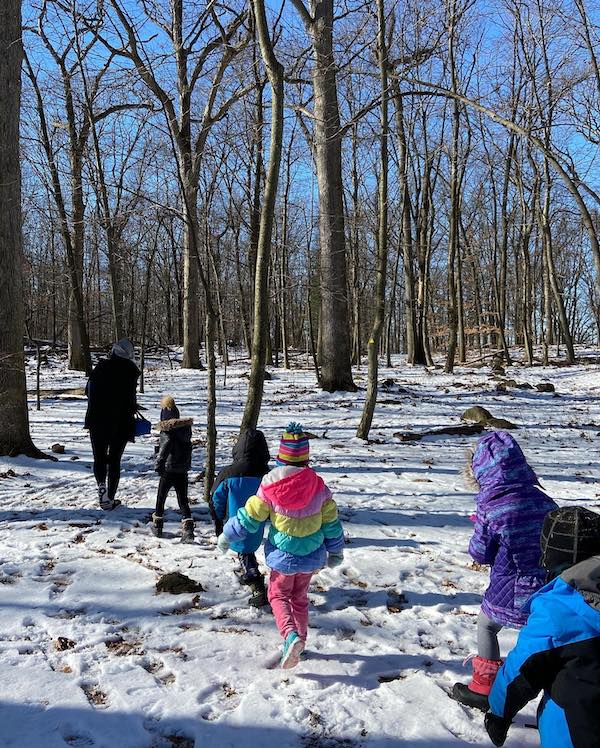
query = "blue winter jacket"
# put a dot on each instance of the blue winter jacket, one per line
(239, 481)
(558, 652)
(231, 495)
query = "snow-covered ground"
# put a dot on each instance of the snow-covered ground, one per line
(389, 629)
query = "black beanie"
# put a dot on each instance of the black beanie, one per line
(569, 535)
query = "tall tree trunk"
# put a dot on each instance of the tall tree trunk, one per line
(453, 244)
(414, 340)
(354, 261)
(502, 285)
(392, 305)
(78, 343)
(211, 404)
(261, 284)
(14, 434)
(557, 292)
(336, 369)
(284, 298)
(462, 343)
(145, 306)
(191, 309)
(257, 181)
(242, 294)
(114, 264)
(382, 234)
(76, 353)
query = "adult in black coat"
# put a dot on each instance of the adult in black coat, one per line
(110, 417)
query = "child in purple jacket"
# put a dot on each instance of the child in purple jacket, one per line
(510, 512)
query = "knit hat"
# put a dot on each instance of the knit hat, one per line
(293, 447)
(569, 535)
(124, 349)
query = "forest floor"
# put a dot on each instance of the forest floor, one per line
(91, 657)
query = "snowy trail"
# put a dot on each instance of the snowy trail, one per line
(91, 657)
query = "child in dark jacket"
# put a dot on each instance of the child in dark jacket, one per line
(558, 651)
(173, 462)
(234, 485)
(510, 512)
(305, 535)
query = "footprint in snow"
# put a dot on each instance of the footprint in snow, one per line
(158, 669)
(78, 741)
(95, 695)
(60, 583)
(217, 699)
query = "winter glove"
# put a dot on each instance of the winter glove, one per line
(335, 559)
(218, 527)
(222, 543)
(497, 728)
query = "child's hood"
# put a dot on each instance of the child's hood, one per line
(499, 461)
(251, 447)
(178, 426)
(585, 578)
(291, 488)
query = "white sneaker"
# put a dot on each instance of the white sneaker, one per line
(106, 503)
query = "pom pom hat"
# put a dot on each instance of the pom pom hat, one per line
(294, 447)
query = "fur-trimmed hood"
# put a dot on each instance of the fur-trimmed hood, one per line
(174, 423)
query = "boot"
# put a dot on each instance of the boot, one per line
(477, 692)
(259, 593)
(187, 530)
(157, 526)
(249, 578)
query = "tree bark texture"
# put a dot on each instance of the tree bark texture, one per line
(336, 368)
(14, 434)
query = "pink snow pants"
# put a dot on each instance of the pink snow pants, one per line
(288, 595)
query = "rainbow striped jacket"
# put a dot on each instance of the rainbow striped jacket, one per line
(303, 516)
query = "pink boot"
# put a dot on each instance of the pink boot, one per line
(476, 693)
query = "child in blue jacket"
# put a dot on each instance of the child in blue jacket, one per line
(233, 487)
(558, 651)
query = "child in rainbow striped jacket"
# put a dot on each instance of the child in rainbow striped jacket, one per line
(305, 535)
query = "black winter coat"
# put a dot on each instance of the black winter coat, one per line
(175, 446)
(112, 404)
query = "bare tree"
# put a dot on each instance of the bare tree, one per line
(14, 435)
(382, 227)
(261, 284)
(192, 52)
(336, 369)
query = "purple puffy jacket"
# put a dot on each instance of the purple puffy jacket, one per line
(510, 511)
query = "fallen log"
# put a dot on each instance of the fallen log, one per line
(464, 430)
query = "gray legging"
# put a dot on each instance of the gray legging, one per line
(487, 637)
